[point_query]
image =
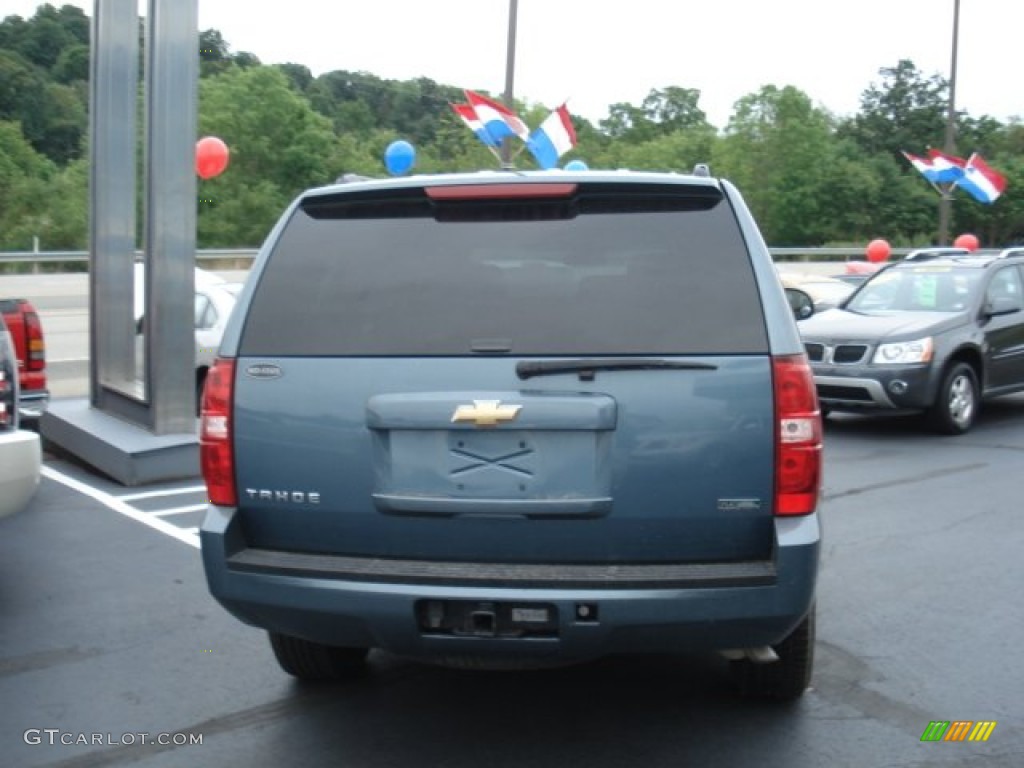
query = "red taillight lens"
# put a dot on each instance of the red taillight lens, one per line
(216, 452)
(8, 406)
(34, 344)
(797, 438)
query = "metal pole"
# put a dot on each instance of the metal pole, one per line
(510, 69)
(949, 146)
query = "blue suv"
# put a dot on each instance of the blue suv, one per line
(524, 419)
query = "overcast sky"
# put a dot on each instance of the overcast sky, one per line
(598, 52)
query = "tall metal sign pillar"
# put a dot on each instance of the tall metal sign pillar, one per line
(949, 143)
(163, 401)
(510, 70)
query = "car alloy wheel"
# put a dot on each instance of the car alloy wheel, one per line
(957, 403)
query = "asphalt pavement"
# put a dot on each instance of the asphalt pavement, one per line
(108, 635)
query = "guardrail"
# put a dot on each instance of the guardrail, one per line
(242, 254)
(49, 257)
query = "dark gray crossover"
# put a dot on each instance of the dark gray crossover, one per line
(936, 333)
(522, 419)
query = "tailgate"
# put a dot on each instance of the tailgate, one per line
(456, 459)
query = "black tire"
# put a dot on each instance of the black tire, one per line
(957, 401)
(787, 678)
(307, 660)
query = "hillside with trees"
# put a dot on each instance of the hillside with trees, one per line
(811, 178)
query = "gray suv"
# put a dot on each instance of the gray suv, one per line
(936, 334)
(521, 419)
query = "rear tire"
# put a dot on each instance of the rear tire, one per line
(307, 660)
(957, 401)
(787, 678)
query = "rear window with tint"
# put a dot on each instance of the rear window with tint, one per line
(612, 270)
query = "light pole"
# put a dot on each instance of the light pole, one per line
(949, 146)
(510, 70)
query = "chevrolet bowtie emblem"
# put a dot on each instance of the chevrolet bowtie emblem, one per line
(486, 413)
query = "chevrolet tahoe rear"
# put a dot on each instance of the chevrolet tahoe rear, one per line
(523, 419)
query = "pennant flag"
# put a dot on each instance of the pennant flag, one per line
(497, 119)
(469, 117)
(552, 139)
(983, 183)
(946, 168)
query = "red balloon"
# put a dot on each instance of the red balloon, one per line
(966, 240)
(211, 157)
(878, 250)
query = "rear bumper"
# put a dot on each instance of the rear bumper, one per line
(32, 404)
(20, 462)
(735, 606)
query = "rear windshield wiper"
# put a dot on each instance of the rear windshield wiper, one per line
(526, 369)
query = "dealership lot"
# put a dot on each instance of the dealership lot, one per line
(113, 653)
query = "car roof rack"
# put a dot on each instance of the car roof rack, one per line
(1015, 250)
(938, 252)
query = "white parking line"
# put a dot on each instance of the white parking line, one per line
(179, 510)
(188, 536)
(155, 494)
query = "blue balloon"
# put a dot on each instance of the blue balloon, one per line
(399, 157)
(576, 165)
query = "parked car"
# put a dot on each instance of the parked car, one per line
(936, 334)
(26, 331)
(825, 292)
(529, 418)
(214, 300)
(20, 451)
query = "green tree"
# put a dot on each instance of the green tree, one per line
(777, 149)
(674, 108)
(905, 112)
(24, 190)
(298, 74)
(44, 37)
(628, 123)
(214, 53)
(52, 116)
(72, 64)
(279, 146)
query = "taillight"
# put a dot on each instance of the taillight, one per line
(797, 437)
(35, 346)
(8, 406)
(216, 453)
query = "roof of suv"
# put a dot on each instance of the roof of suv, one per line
(949, 257)
(511, 177)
